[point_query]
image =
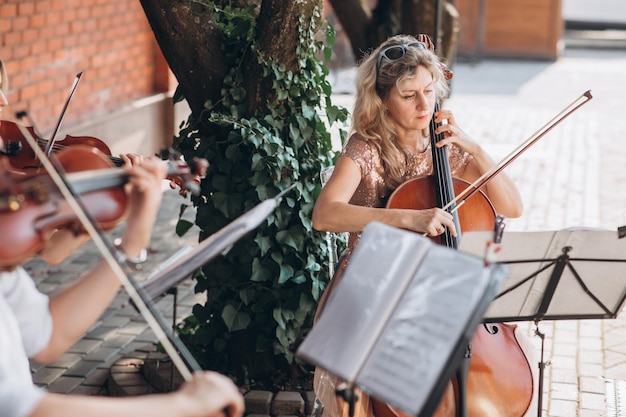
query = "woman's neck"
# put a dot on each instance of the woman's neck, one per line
(415, 142)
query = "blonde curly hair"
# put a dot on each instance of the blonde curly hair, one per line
(4, 81)
(376, 76)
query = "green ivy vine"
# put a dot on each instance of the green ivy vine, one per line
(262, 293)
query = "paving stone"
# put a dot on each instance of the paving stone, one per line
(83, 368)
(84, 346)
(47, 375)
(97, 378)
(64, 384)
(258, 402)
(101, 354)
(287, 403)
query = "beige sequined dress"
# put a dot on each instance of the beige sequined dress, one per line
(373, 191)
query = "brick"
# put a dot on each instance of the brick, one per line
(287, 403)
(258, 402)
(309, 402)
(64, 384)
(46, 376)
(83, 369)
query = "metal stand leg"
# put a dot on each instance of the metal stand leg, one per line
(331, 242)
(461, 380)
(174, 292)
(348, 393)
(542, 366)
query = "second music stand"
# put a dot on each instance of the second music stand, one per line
(569, 274)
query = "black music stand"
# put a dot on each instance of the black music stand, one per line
(185, 262)
(569, 274)
(398, 324)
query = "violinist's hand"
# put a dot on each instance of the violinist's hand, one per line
(132, 158)
(452, 133)
(210, 394)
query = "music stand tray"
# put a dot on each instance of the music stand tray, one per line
(557, 275)
(399, 322)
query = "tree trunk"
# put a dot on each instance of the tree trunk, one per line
(367, 28)
(188, 36)
(191, 43)
(276, 38)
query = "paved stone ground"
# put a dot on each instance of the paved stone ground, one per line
(575, 176)
(121, 331)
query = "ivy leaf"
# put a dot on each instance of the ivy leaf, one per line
(183, 226)
(286, 238)
(277, 314)
(259, 273)
(286, 272)
(234, 319)
(247, 295)
(265, 244)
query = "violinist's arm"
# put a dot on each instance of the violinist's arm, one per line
(334, 213)
(501, 190)
(62, 244)
(77, 307)
(206, 395)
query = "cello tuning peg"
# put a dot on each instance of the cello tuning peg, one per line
(21, 114)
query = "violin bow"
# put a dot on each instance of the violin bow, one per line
(462, 197)
(50, 143)
(144, 305)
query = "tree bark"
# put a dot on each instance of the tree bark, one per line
(367, 28)
(191, 43)
(277, 36)
(354, 17)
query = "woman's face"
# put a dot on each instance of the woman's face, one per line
(411, 104)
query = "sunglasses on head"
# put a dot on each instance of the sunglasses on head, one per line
(393, 52)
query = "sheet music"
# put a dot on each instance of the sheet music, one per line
(390, 258)
(402, 316)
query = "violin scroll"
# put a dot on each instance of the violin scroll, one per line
(188, 176)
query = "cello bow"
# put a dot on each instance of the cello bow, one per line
(462, 197)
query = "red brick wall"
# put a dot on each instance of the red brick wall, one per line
(45, 43)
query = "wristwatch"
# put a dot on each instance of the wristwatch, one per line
(134, 263)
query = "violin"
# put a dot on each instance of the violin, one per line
(23, 158)
(32, 208)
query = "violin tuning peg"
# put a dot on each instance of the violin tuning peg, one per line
(164, 154)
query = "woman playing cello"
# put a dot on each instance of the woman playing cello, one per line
(398, 85)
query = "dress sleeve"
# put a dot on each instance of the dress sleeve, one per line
(359, 150)
(458, 160)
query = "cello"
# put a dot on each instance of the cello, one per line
(495, 377)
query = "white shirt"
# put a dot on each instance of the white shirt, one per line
(25, 329)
